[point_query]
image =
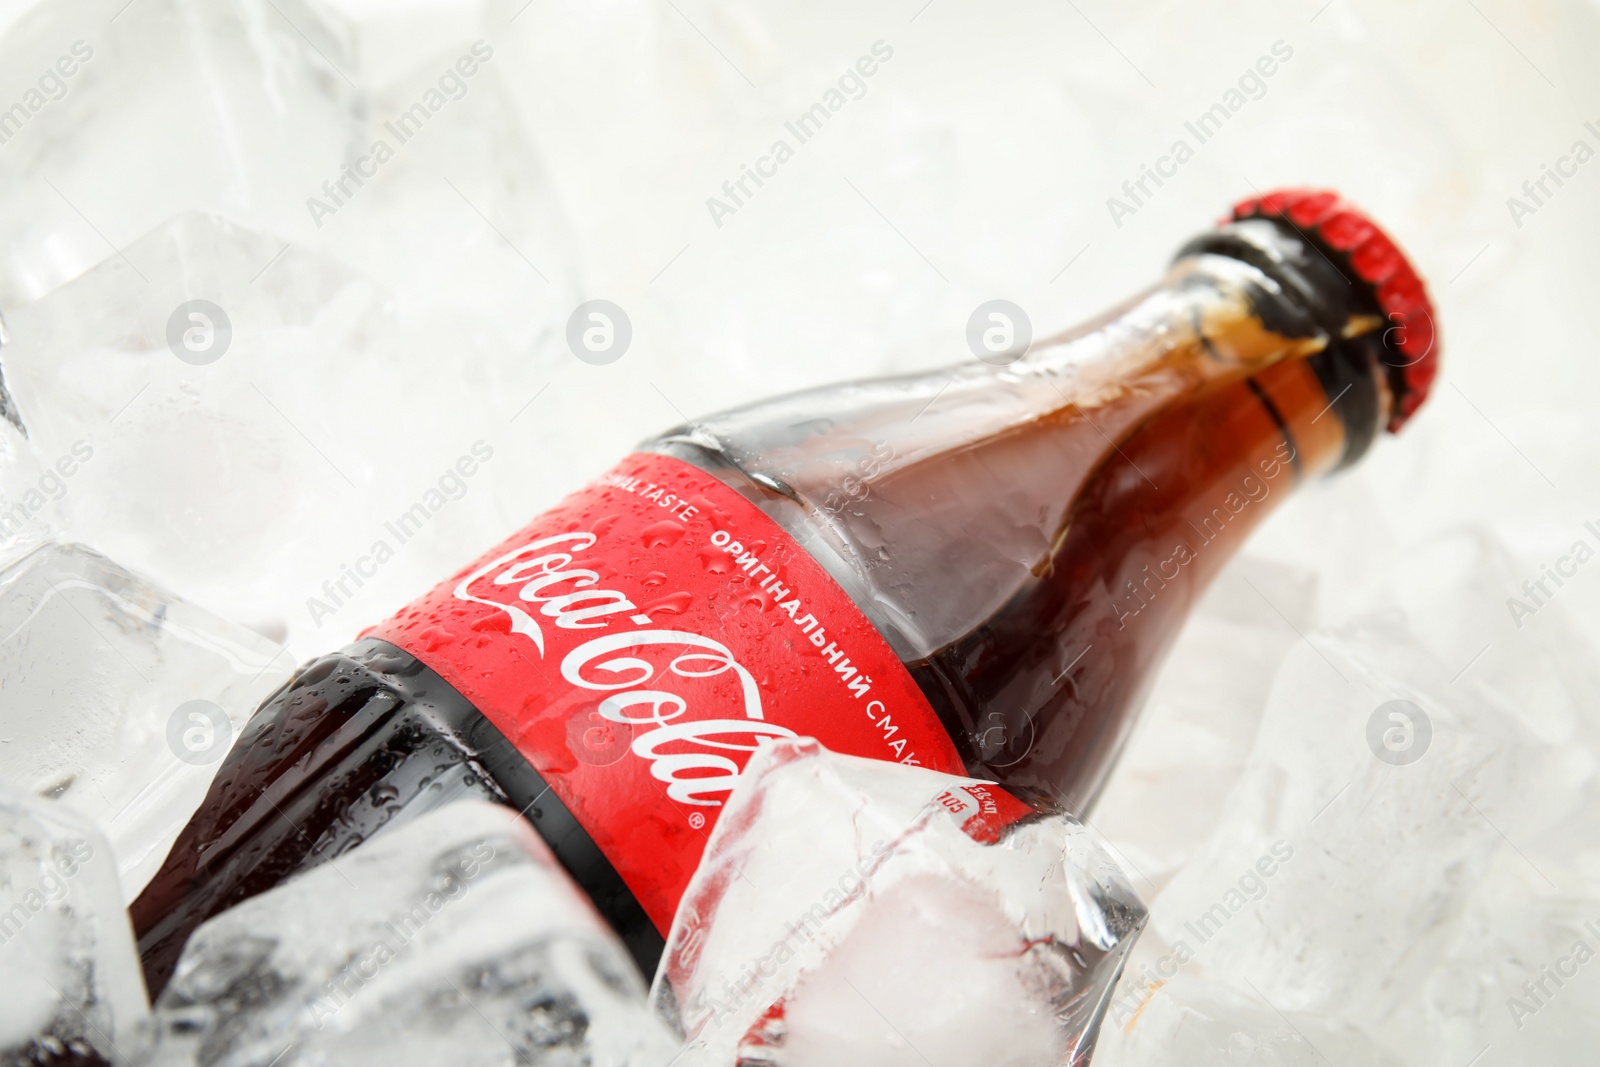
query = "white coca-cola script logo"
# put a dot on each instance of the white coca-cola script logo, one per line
(537, 576)
(685, 754)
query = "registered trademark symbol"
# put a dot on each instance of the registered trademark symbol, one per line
(697, 821)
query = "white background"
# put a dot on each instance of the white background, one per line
(372, 350)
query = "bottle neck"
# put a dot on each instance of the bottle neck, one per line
(1304, 295)
(1267, 372)
(1254, 346)
(972, 470)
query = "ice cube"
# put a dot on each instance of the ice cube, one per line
(453, 939)
(485, 258)
(272, 114)
(851, 910)
(28, 493)
(379, 43)
(1405, 864)
(120, 698)
(261, 475)
(223, 107)
(1196, 1022)
(70, 986)
(212, 477)
(1196, 730)
(1369, 778)
(276, 472)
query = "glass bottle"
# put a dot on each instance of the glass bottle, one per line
(991, 561)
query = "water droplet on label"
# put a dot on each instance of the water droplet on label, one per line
(714, 560)
(661, 534)
(672, 603)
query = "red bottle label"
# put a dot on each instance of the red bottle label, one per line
(983, 810)
(638, 642)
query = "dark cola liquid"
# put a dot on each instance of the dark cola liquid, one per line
(1261, 375)
(1042, 695)
(355, 741)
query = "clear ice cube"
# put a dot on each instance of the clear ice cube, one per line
(286, 481)
(70, 986)
(485, 260)
(216, 107)
(120, 698)
(1404, 866)
(238, 134)
(223, 478)
(453, 939)
(1196, 1022)
(319, 122)
(851, 910)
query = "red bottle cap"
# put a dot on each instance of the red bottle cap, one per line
(1366, 253)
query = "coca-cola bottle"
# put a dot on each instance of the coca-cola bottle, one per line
(975, 569)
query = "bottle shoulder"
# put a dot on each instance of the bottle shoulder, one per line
(932, 498)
